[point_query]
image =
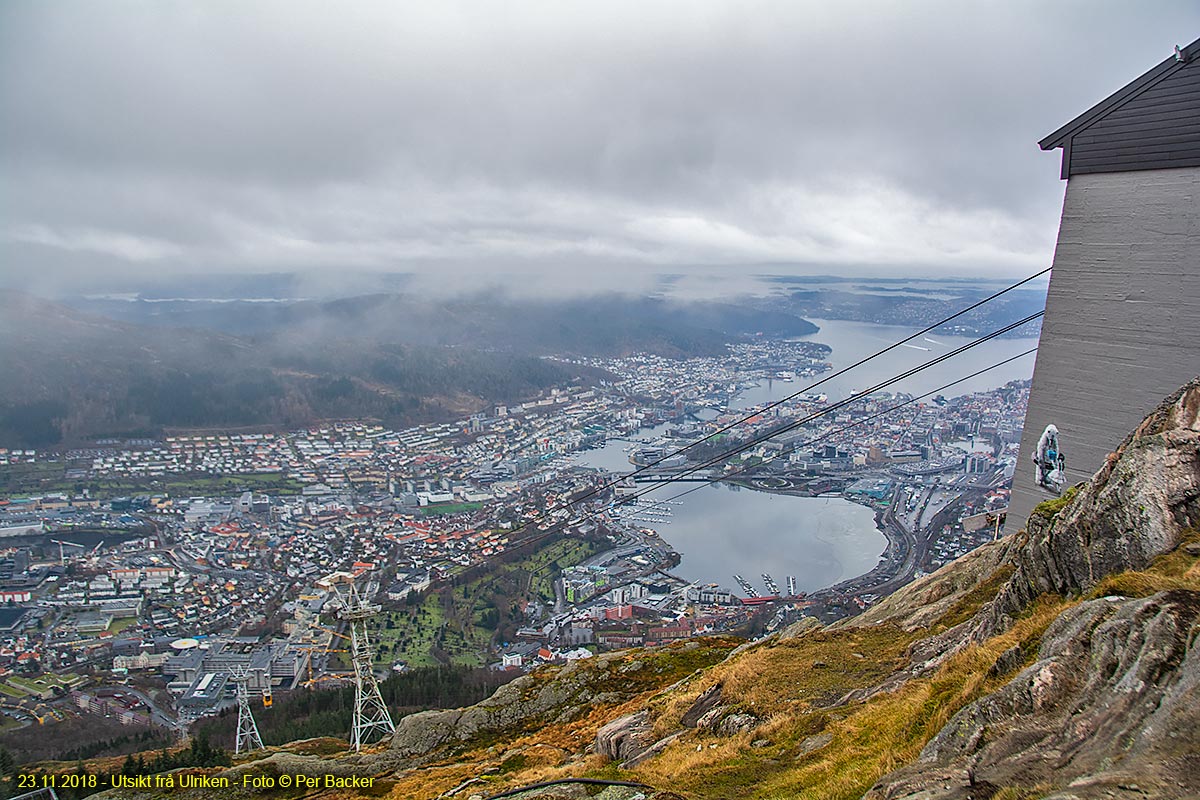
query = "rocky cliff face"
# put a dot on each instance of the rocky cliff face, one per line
(1111, 705)
(1140, 506)
(1135, 508)
(1108, 709)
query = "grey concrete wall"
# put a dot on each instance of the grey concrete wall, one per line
(1122, 324)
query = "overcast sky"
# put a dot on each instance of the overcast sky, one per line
(573, 140)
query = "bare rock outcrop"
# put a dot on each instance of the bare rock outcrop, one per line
(1113, 700)
(625, 738)
(925, 600)
(513, 706)
(708, 700)
(630, 740)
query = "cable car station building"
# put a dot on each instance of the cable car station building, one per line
(1122, 323)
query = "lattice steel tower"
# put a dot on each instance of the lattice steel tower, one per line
(247, 730)
(371, 718)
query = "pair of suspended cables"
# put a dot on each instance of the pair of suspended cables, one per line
(759, 439)
(827, 434)
(754, 441)
(748, 417)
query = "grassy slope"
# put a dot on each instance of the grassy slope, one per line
(872, 738)
(552, 751)
(791, 756)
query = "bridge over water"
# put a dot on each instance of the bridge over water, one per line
(674, 477)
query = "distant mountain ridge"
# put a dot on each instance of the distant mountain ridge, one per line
(599, 324)
(70, 375)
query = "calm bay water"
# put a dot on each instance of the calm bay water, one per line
(720, 531)
(614, 455)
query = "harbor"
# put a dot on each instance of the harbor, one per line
(723, 531)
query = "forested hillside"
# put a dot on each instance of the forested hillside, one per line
(70, 375)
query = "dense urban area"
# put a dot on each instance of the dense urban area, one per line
(139, 576)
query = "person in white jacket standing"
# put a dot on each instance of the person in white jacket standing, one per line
(1050, 460)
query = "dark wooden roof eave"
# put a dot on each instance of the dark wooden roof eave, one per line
(1062, 136)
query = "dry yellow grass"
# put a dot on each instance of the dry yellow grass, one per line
(1174, 570)
(779, 679)
(550, 751)
(868, 740)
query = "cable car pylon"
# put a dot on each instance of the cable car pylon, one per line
(248, 738)
(372, 721)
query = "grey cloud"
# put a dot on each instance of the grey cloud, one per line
(278, 135)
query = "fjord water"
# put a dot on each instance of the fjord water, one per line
(852, 341)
